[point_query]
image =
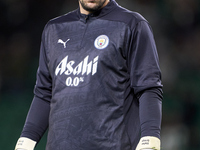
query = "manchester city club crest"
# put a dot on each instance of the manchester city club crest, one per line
(101, 42)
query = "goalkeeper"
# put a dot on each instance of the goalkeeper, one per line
(98, 82)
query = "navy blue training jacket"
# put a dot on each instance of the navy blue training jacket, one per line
(98, 82)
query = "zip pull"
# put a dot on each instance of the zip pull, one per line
(86, 17)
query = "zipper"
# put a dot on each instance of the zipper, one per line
(86, 19)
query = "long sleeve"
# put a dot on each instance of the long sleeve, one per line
(146, 79)
(37, 118)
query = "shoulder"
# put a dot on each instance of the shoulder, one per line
(66, 18)
(128, 14)
(122, 14)
(69, 17)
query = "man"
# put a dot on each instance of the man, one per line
(98, 82)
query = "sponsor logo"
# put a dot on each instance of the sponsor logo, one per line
(101, 42)
(62, 42)
(75, 72)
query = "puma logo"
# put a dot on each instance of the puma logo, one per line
(64, 43)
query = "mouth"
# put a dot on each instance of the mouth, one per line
(91, 1)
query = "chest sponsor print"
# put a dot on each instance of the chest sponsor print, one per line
(76, 72)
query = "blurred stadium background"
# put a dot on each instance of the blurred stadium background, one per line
(176, 26)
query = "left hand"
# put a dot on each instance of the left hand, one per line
(148, 143)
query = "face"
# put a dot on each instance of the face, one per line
(92, 5)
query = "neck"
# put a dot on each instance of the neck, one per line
(83, 11)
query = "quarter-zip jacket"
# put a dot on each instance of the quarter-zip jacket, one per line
(98, 82)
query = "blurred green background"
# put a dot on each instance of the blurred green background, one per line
(176, 26)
